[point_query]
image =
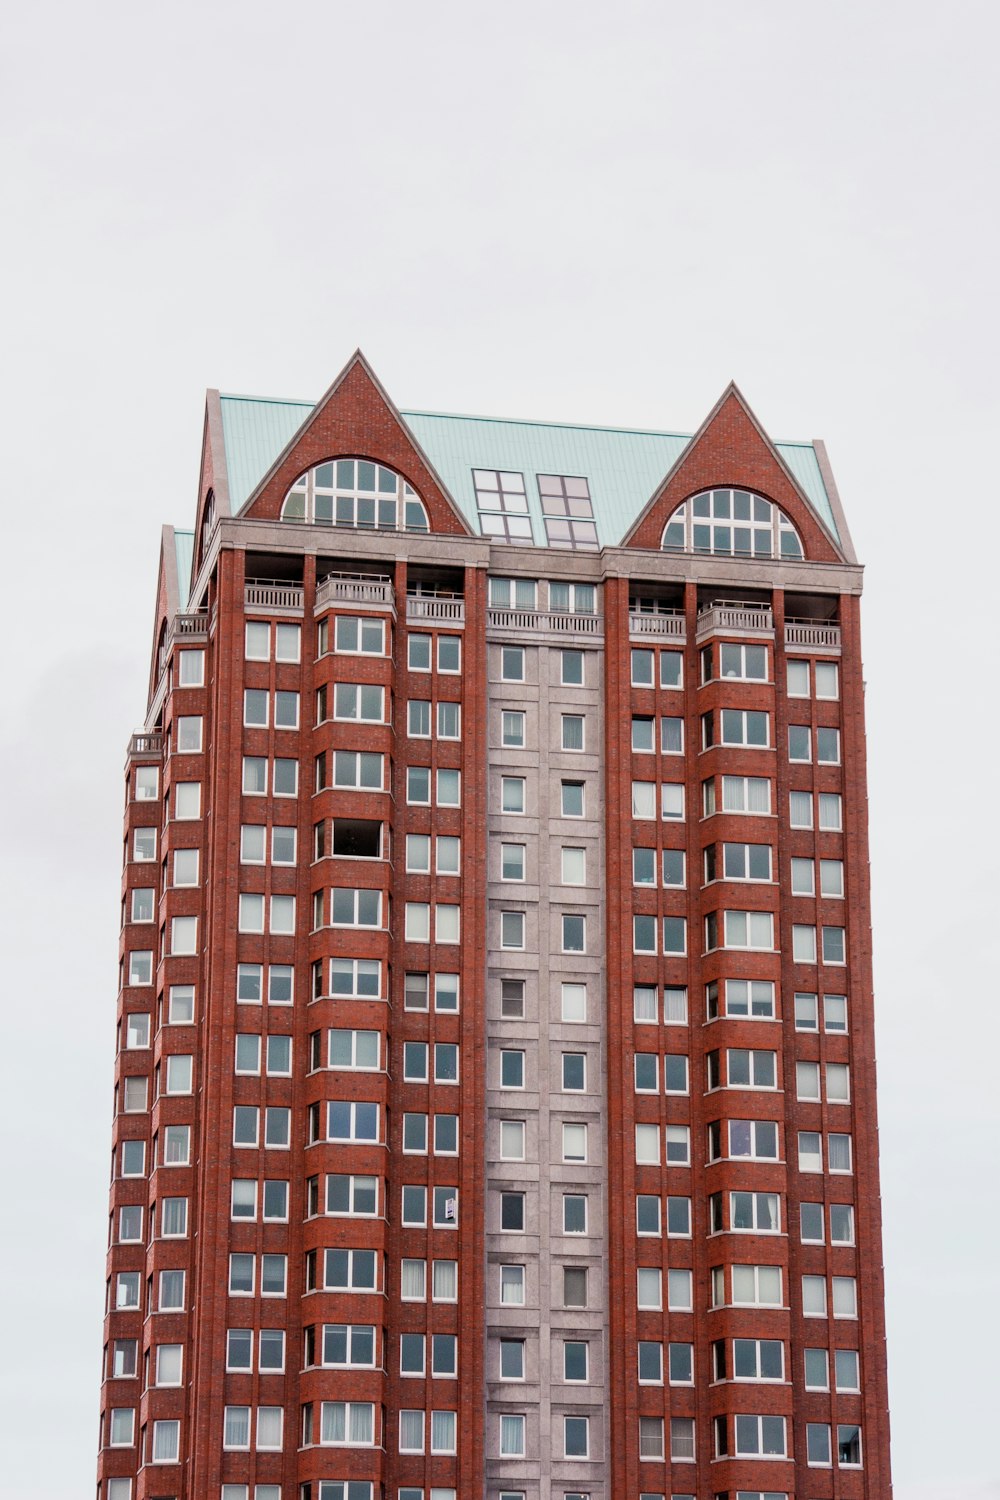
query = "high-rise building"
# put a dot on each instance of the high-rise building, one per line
(495, 1093)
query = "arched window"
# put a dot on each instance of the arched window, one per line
(355, 492)
(731, 523)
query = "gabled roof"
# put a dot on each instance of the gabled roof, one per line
(624, 466)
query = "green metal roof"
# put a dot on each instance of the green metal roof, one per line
(623, 466)
(184, 553)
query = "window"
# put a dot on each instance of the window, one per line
(845, 1297)
(512, 794)
(147, 784)
(810, 1151)
(834, 945)
(166, 1442)
(512, 728)
(574, 866)
(651, 1437)
(169, 1364)
(643, 866)
(828, 746)
(756, 1213)
(753, 1286)
(571, 668)
(513, 593)
(144, 844)
(574, 1142)
(818, 1445)
(512, 1212)
(737, 726)
(751, 1069)
(733, 523)
(512, 929)
(512, 1359)
(814, 1296)
(140, 967)
(512, 663)
(572, 731)
(740, 862)
(568, 512)
(574, 1213)
(357, 493)
(672, 800)
(574, 933)
(803, 943)
(356, 976)
(352, 1121)
(841, 1224)
(512, 1285)
(755, 1139)
(134, 1093)
(137, 1030)
(511, 1069)
(758, 1437)
(574, 1286)
(512, 1436)
(650, 1363)
(678, 1218)
(741, 929)
(846, 1370)
(512, 1140)
(503, 505)
(187, 800)
(571, 799)
(744, 794)
(648, 1214)
(830, 812)
(359, 635)
(576, 1436)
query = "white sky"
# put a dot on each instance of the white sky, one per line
(548, 210)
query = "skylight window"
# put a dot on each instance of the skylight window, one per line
(357, 493)
(568, 511)
(731, 523)
(503, 505)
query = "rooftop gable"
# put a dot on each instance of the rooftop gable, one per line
(624, 467)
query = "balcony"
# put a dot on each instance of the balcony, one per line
(544, 622)
(274, 596)
(813, 634)
(146, 743)
(735, 619)
(355, 590)
(655, 626)
(437, 609)
(192, 627)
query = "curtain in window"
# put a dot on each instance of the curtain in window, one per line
(362, 1424)
(442, 1432)
(512, 1435)
(839, 1153)
(333, 1423)
(412, 1282)
(237, 1427)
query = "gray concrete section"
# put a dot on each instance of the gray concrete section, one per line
(551, 1242)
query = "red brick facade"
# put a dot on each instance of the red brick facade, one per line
(296, 1086)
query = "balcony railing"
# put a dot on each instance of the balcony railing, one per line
(146, 743)
(736, 618)
(189, 627)
(811, 633)
(544, 622)
(431, 607)
(375, 592)
(264, 593)
(646, 624)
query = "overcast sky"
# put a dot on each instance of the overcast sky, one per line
(549, 210)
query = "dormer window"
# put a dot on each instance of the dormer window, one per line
(731, 523)
(355, 492)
